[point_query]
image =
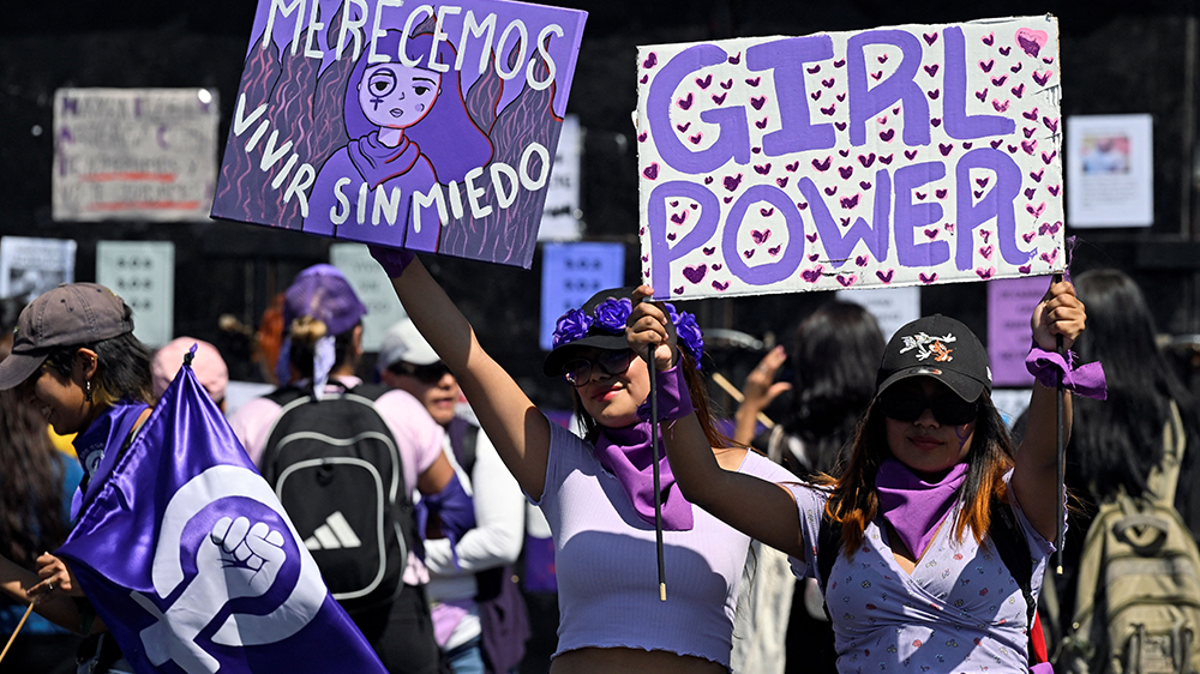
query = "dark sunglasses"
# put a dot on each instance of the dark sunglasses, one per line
(428, 374)
(578, 371)
(906, 404)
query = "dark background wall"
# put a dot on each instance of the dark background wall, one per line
(1117, 57)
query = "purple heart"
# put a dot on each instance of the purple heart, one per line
(985, 274)
(862, 260)
(847, 281)
(731, 182)
(760, 237)
(1024, 269)
(709, 251)
(811, 275)
(651, 171)
(695, 273)
(928, 279)
(720, 287)
(886, 277)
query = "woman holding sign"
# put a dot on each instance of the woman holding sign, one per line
(597, 492)
(932, 542)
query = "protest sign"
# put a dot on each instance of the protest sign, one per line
(142, 154)
(30, 266)
(571, 274)
(143, 274)
(889, 157)
(401, 124)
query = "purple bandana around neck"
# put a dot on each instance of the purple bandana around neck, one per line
(626, 453)
(379, 163)
(916, 508)
(97, 446)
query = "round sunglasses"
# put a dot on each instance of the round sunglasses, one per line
(578, 371)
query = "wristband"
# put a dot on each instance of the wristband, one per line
(674, 399)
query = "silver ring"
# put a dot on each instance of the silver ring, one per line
(49, 587)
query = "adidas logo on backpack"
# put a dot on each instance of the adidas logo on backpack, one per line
(1138, 593)
(337, 471)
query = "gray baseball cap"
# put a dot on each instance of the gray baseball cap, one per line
(71, 314)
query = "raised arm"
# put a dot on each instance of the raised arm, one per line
(1035, 478)
(758, 392)
(519, 431)
(759, 509)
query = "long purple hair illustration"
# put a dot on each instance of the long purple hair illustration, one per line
(409, 129)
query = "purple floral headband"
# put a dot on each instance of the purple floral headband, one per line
(611, 316)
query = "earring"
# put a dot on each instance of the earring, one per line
(87, 390)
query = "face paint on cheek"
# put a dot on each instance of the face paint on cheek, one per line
(377, 101)
(963, 433)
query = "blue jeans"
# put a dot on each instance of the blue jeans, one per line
(466, 658)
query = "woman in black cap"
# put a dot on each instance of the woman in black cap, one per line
(912, 541)
(76, 361)
(597, 492)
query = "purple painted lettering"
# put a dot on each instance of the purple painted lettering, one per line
(866, 102)
(785, 58)
(910, 217)
(840, 247)
(959, 124)
(789, 262)
(733, 140)
(997, 203)
(662, 253)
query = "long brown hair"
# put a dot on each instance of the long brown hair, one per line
(697, 391)
(854, 501)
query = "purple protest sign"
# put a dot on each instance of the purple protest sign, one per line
(1010, 304)
(406, 126)
(896, 156)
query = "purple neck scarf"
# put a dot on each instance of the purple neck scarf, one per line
(379, 163)
(626, 453)
(916, 508)
(98, 445)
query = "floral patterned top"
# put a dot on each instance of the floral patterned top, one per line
(959, 611)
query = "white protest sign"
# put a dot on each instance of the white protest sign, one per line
(891, 307)
(560, 215)
(143, 274)
(146, 154)
(31, 266)
(374, 289)
(888, 157)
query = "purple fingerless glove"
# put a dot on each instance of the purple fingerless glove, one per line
(393, 260)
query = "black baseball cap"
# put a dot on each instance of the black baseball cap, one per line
(940, 347)
(596, 338)
(72, 313)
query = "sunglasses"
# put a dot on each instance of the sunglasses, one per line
(578, 371)
(907, 404)
(427, 374)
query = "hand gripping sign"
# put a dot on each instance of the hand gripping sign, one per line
(896, 156)
(426, 127)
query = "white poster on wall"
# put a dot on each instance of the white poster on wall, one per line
(143, 274)
(1110, 171)
(891, 307)
(374, 288)
(561, 215)
(31, 266)
(144, 154)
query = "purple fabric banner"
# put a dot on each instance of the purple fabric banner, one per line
(402, 125)
(190, 560)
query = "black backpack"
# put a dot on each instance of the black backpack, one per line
(336, 469)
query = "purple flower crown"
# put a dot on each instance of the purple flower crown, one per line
(611, 315)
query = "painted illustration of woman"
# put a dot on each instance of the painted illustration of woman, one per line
(409, 129)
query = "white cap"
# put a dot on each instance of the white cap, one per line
(403, 342)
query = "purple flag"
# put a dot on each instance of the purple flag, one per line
(192, 563)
